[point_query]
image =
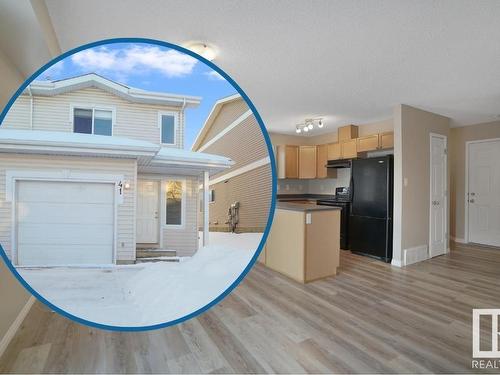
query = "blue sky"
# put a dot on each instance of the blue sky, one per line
(150, 67)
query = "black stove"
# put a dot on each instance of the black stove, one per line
(342, 199)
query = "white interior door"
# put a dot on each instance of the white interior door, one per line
(438, 197)
(484, 192)
(147, 211)
(64, 223)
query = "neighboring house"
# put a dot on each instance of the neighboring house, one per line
(232, 130)
(91, 169)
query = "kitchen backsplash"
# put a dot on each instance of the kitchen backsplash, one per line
(317, 186)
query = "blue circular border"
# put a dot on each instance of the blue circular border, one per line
(271, 211)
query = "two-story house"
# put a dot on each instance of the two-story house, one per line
(91, 169)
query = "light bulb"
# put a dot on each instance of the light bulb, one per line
(306, 129)
(310, 126)
(320, 124)
(298, 131)
(205, 50)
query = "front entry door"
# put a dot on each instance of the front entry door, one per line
(147, 211)
(484, 192)
(438, 197)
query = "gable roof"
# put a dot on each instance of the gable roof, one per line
(131, 94)
(211, 118)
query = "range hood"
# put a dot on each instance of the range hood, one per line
(344, 163)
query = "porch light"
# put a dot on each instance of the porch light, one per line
(126, 185)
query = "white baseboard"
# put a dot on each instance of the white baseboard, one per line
(396, 263)
(458, 240)
(9, 335)
(415, 254)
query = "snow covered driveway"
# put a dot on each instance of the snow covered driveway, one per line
(148, 293)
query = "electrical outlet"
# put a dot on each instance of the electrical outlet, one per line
(308, 218)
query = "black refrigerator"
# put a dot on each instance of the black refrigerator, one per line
(370, 222)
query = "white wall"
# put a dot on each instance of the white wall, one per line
(13, 296)
(412, 131)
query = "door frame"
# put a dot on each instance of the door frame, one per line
(466, 187)
(447, 194)
(12, 194)
(158, 181)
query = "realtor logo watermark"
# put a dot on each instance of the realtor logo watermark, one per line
(490, 354)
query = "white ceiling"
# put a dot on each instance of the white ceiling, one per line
(350, 61)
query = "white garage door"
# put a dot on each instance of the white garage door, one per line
(64, 223)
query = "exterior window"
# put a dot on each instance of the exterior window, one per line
(92, 121)
(167, 123)
(103, 122)
(83, 121)
(211, 196)
(175, 203)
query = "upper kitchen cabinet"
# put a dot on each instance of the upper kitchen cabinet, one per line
(349, 149)
(307, 162)
(334, 151)
(346, 133)
(386, 140)
(322, 160)
(368, 143)
(288, 161)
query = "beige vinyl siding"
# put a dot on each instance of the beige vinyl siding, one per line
(18, 116)
(185, 240)
(125, 212)
(133, 120)
(228, 113)
(253, 190)
(244, 144)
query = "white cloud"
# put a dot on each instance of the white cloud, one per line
(213, 75)
(170, 63)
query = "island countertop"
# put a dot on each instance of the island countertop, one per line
(304, 207)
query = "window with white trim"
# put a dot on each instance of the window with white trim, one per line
(168, 127)
(92, 121)
(175, 201)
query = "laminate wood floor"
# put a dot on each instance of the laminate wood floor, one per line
(371, 318)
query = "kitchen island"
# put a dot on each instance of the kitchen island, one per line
(304, 241)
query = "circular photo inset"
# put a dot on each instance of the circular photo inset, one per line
(138, 183)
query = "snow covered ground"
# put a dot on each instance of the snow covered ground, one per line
(147, 293)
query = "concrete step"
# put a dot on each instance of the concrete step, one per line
(155, 253)
(156, 260)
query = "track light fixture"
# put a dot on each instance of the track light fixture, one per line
(309, 124)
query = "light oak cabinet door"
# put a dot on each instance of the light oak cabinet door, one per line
(386, 140)
(349, 149)
(346, 133)
(288, 161)
(307, 162)
(368, 143)
(334, 151)
(322, 159)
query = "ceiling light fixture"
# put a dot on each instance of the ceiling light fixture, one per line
(203, 49)
(309, 124)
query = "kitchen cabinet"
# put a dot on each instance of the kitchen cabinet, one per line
(368, 143)
(386, 140)
(288, 161)
(334, 151)
(307, 162)
(349, 149)
(304, 244)
(322, 157)
(346, 133)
